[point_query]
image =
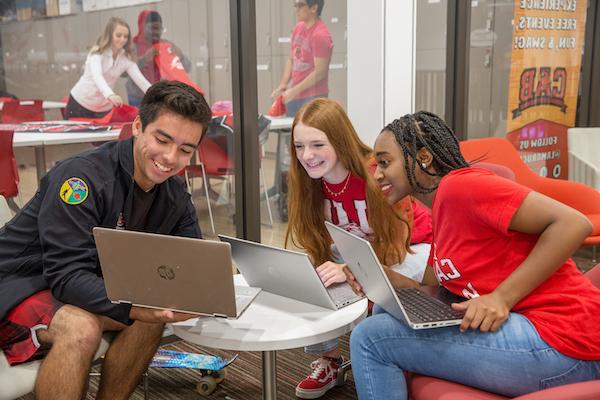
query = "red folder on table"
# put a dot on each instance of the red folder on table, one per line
(124, 113)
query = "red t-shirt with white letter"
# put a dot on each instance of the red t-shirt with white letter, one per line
(346, 206)
(474, 251)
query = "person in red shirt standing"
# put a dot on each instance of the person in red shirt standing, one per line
(306, 72)
(330, 179)
(150, 48)
(531, 318)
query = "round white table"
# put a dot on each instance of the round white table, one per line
(272, 323)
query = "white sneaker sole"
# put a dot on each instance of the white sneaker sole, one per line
(314, 393)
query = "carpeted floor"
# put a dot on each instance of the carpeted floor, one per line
(243, 380)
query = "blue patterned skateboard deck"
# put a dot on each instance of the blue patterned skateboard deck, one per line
(179, 359)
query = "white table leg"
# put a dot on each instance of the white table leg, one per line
(40, 162)
(269, 368)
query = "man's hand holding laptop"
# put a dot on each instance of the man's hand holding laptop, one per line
(156, 316)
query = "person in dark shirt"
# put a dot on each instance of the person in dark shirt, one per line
(53, 301)
(149, 36)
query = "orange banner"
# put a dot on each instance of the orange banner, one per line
(548, 40)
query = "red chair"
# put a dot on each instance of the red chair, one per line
(214, 160)
(428, 388)
(583, 198)
(126, 131)
(498, 169)
(9, 175)
(22, 110)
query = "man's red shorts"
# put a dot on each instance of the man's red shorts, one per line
(18, 339)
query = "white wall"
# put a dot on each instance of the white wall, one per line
(365, 67)
(381, 63)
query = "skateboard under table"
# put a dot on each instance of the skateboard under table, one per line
(211, 368)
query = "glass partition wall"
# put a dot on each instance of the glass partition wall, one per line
(43, 55)
(275, 22)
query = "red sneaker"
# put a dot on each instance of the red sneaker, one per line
(323, 378)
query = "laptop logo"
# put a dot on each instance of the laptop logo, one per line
(166, 272)
(362, 271)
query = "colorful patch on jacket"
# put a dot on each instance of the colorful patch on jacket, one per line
(74, 191)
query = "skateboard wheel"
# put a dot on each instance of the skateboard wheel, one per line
(220, 375)
(206, 385)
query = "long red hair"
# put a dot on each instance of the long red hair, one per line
(306, 211)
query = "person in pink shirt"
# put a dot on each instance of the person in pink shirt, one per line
(305, 74)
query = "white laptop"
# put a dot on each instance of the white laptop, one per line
(287, 273)
(170, 272)
(420, 308)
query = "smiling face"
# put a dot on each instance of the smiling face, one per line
(316, 154)
(120, 36)
(391, 172)
(164, 148)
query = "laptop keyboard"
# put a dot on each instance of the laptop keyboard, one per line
(342, 294)
(241, 300)
(244, 296)
(423, 308)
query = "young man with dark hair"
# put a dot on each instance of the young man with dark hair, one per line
(53, 301)
(305, 75)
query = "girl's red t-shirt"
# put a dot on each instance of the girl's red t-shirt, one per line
(474, 251)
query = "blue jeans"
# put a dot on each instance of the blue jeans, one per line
(511, 361)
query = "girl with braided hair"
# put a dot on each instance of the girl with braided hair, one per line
(330, 179)
(531, 318)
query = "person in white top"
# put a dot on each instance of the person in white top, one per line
(112, 55)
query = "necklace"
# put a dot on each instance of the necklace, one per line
(335, 194)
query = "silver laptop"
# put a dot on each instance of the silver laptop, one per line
(170, 272)
(287, 273)
(420, 308)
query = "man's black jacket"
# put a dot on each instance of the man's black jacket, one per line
(49, 243)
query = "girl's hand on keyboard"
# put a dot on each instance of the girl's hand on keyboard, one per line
(486, 313)
(351, 279)
(331, 273)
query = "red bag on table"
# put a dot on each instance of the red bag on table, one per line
(123, 114)
(278, 108)
(170, 66)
